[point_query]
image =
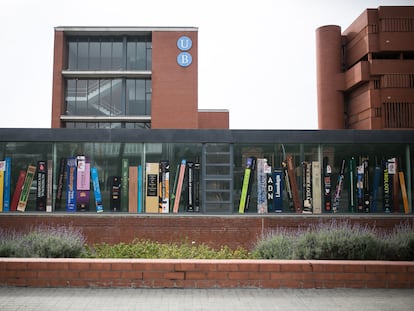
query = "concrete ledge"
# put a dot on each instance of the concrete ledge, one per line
(178, 273)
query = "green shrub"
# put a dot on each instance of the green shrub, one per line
(151, 249)
(44, 242)
(338, 240)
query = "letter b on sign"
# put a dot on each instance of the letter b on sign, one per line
(184, 59)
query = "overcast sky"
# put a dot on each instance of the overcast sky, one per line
(256, 58)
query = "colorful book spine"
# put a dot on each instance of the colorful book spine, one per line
(293, 184)
(197, 185)
(367, 199)
(151, 193)
(115, 202)
(71, 185)
(278, 186)
(179, 186)
(190, 186)
(49, 184)
(375, 186)
(133, 189)
(247, 184)
(2, 170)
(360, 188)
(316, 188)
(83, 183)
(174, 189)
(140, 189)
(404, 192)
(41, 187)
(96, 190)
(164, 186)
(262, 170)
(270, 188)
(307, 177)
(18, 190)
(352, 186)
(7, 185)
(124, 185)
(60, 184)
(24, 196)
(387, 188)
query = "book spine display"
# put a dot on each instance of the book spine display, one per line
(49, 184)
(247, 184)
(83, 183)
(24, 195)
(140, 187)
(164, 186)
(41, 187)
(404, 192)
(197, 185)
(133, 189)
(316, 188)
(60, 184)
(393, 170)
(386, 189)
(327, 185)
(367, 199)
(375, 185)
(7, 185)
(190, 186)
(307, 202)
(288, 188)
(71, 185)
(151, 193)
(18, 190)
(115, 203)
(96, 190)
(270, 191)
(124, 185)
(293, 184)
(179, 186)
(2, 170)
(360, 188)
(339, 187)
(278, 186)
(352, 184)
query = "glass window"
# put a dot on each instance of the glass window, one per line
(94, 55)
(83, 56)
(132, 56)
(106, 52)
(73, 55)
(117, 63)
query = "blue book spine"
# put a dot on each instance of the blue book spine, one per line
(377, 176)
(96, 190)
(278, 187)
(71, 185)
(7, 180)
(139, 189)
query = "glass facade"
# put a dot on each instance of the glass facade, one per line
(124, 90)
(222, 155)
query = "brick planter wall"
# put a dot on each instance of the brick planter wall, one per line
(215, 231)
(146, 273)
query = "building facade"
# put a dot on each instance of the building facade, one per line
(128, 77)
(365, 75)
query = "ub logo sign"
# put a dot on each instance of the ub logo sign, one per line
(184, 44)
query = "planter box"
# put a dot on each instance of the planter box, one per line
(178, 273)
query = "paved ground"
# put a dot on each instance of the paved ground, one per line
(56, 299)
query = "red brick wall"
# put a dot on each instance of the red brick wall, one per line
(174, 88)
(213, 119)
(58, 81)
(205, 273)
(230, 230)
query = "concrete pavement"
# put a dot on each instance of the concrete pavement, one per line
(91, 299)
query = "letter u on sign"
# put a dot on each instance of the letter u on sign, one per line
(184, 43)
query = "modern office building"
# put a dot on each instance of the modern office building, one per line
(128, 77)
(365, 74)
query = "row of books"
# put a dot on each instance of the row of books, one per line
(313, 189)
(135, 190)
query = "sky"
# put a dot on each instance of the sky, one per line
(256, 58)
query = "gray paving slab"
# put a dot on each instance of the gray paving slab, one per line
(91, 299)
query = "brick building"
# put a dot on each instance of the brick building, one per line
(128, 77)
(365, 74)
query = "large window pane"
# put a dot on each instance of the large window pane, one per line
(117, 56)
(72, 55)
(106, 52)
(94, 55)
(132, 56)
(83, 51)
(117, 98)
(93, 97)
(70, 97)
